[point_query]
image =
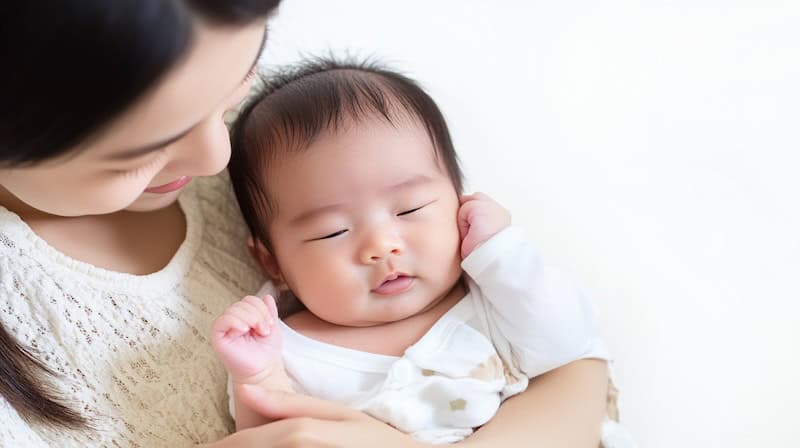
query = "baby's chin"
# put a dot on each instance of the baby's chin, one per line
(376, 310)
(380, 317)
(413, 308)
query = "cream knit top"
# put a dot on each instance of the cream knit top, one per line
(132, 353)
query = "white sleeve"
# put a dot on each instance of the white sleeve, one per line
(14, 431)
(542, 312)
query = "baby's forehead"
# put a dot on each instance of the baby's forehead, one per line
(291, 143)
(358, 148)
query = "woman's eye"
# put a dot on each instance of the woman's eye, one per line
(408, 212)
(143, 168)
(332, 235)
(134, 172)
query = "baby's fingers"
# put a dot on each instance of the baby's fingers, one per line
(229, 325)
(250, 315)
(269, 302)
(464, 218)
(467, 197)
(266, 306)
(265, 317)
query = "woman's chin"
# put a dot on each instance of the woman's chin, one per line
(149, 202)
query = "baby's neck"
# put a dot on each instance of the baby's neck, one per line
(391, 338)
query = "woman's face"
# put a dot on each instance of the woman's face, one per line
(141, 161)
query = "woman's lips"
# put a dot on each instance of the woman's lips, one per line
(172, 186)
(394, 284)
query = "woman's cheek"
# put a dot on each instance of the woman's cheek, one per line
(126, 192)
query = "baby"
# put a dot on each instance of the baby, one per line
(421, 306)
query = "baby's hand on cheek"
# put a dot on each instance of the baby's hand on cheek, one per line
(247, 339)
(479, 218)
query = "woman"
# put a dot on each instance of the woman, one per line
(116, 253)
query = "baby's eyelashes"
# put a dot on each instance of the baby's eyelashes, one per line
(416, 209)
(408, 212)
(329, 236)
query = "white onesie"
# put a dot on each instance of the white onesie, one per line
(519, 319)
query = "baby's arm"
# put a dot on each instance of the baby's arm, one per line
(543, 313)
(247, 340)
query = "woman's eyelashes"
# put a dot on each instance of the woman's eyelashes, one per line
(141, 169)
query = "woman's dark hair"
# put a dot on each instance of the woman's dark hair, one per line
(69, 68)
(297, 103)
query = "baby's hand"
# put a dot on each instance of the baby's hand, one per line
(247, 339)
(479, 218)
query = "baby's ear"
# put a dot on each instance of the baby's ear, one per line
(267, 261)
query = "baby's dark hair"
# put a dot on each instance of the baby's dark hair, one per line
(295, 104)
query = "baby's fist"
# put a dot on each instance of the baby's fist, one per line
(479, 218)
(247, 339)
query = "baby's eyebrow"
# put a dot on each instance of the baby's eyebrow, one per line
(415, 181)
(310, 214)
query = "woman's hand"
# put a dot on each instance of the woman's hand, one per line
(307, 432)
(309, 422)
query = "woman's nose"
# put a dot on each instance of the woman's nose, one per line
(204, 151)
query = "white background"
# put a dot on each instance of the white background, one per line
(649, 147)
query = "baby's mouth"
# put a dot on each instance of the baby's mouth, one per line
(394, 283)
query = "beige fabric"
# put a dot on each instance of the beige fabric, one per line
(612, 407)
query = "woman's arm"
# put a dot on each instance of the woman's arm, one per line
(561, 408)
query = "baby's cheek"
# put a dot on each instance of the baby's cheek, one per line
(330, 277)
(444, 245)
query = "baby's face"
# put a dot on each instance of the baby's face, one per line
(366, 231)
